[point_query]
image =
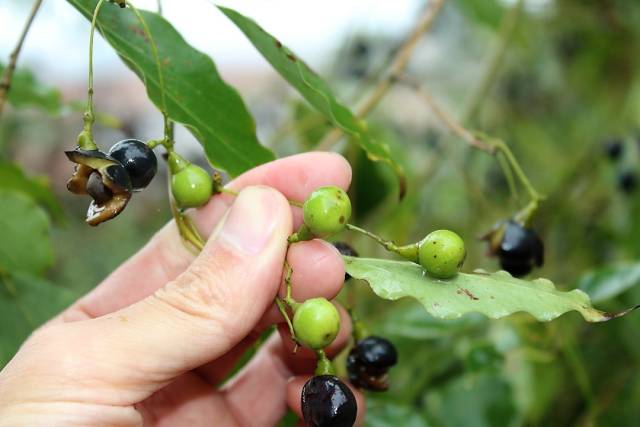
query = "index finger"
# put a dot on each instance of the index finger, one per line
(164, 257)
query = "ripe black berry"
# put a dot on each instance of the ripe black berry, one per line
(614, 148)
(627, 182)
(138, 159)
(520, 249)
(369, 362)
(346, 250)
(328, 402)
(377, 352)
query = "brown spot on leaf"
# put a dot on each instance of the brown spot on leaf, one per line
(277, 43)
(139, 31)
(291, 57)
(467, 292)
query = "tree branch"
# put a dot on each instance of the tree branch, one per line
(397, 66)
(447, 120)
(7, 76)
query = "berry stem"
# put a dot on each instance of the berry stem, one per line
(359, 330)
(283, 309)
(302, 235)
(85, 139)
(324, 365)
(409, 252)
(7, 75)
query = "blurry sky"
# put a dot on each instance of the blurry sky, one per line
(56, 47)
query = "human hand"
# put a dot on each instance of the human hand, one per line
(151, 344)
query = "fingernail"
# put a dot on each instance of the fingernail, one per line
(251, 220)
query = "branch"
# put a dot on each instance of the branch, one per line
(508, 26)
(5, 82)
(447, 120)
(397, 66)
(479, 141)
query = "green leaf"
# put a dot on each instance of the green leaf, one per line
(386, 413)
(12, 178)
(196, 95)
(25, 244)
(495, 295)
(474, 401)
(314, 89)
(26, 302)
(609, 282)
(27, 91)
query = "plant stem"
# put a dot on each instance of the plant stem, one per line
(7, 75)
(508, 26)
(476, 140)
(397, 66)
(409, 252)
(449, 122)
(283, 310)
(89, 117)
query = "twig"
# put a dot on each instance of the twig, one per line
(450, 123)
(5, 82)
(509, 24)
(397, 66)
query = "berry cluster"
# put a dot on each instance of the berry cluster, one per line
(369, 362)
(129, 166)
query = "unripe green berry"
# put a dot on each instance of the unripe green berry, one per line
(191, 187)
(442, 253)
(316, 323)
(326, 211)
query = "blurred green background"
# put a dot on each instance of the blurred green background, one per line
(558, 80)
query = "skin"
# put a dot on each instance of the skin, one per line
(151, 344)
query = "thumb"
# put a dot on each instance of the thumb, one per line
(209, 308)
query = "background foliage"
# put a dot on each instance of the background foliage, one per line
(567, 80)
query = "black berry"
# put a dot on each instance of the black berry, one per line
(138, 159)
(614, 148)
(627, 182)
(369, 362)
(328, 402)
(520, 249)
(377, 352)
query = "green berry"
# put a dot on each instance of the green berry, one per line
(191, 187)
(442, 253)
(326, 211)
(316, 323)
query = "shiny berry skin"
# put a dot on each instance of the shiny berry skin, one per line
(345, 250)
(316, 323)
(369, 362)
(442, 253)
(191, 187)
(328, 402)
(138, 159)
(377, 352)
(627, 182)
(326, 211)
(520, 249)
